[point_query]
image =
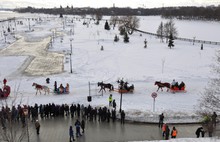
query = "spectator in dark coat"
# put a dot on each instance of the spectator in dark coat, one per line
(161, 118)
(78, 126)
(37, 126)
(113, 115)
(83, 126)
(198, 131)
(214, 116)
(114, 104)
(71, 134)
(167, 133)
(122, 117)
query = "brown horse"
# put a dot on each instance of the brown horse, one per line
(104, 85)
(161, 85)
(39, 87)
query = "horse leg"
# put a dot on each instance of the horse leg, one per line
(161, 89)
(158, 89)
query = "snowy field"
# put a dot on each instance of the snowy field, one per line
(42, 51)
(39, 49)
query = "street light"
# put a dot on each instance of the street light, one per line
(71, 46)
(71, 51)
(71, 71)
(120, 90)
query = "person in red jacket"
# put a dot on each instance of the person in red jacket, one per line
(4, 81)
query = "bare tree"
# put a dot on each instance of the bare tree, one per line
(98, 16)
(114, 20)
(160, 31)
(169, 28)
(11, 130)
(130, 23)
(210, 100)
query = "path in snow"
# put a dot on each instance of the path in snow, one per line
(40, 62)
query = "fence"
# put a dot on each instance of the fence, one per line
(182, 39)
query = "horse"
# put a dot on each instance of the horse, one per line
(103, 86)
(39, 87)
(161, 85)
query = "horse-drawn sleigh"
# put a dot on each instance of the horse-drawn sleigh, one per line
(172, 88)
(5, 92)
(124, 88)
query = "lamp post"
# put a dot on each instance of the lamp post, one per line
(121, 90)
(71, 51)
(71, 71)
(71, 46)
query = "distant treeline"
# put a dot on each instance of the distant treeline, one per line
(199, 13)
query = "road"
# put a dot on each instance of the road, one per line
(56, 130)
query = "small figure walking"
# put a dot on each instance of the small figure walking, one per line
(122, 117)
(174, 133)
(161, 118)
(214, 116)
(83, 126)
(167, 133)
(37, 126)
(78, 125)
(48, 80)
(114, 104)
(55, 86)
(71, 134)
(145, 43)
(110, 100)
(4, 81)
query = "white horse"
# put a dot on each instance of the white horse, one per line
(39, 87)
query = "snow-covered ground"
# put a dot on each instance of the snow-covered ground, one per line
(27, 60)
(43, 51)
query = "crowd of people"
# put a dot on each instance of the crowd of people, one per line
(51, 110)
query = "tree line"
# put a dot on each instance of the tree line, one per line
(192, 12)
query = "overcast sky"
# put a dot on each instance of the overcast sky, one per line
(105, 3)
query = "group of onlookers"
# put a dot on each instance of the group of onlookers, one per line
(200, 131)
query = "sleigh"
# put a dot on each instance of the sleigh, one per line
(5, 92)
(61, 89)
(125, 91)
(124, 88)
(60, 93)
(177, 89)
